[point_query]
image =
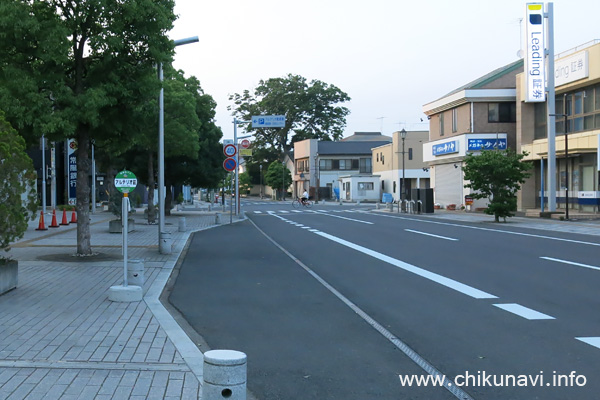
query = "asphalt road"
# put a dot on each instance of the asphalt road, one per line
(337, 305)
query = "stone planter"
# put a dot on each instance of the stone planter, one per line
(9, 275)
(115, 226)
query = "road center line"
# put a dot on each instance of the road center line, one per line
(571, 263)
(430, 234)
(524, 312)
(442, 280)
(337, 216)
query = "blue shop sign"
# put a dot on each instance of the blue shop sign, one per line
(486, 144)
(445, 148)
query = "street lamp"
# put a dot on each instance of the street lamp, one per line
(161, 145)
(564, 115)
(402, 184)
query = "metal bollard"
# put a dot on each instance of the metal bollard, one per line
(377, 206)
(390, 206)
(217, 218)
(209, 207)
(135, 272)
(181, 227)
(224, 375)
(165, 243)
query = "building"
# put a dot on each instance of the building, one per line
(387, 161)
(577, 74)
(479, 115)
(321, 164)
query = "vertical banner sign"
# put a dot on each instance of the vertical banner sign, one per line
(72, 171)
(535, 59)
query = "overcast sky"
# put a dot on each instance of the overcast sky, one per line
(390, 56)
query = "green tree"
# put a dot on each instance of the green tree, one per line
(80, 69)
(312, 111)
(245, 182)
(497, 176)
(17, 188)
(278, 176)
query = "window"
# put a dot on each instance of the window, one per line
(300, 165)
(325, 165)
(377, 157)
(382, 185)
(394, 190)
(355, 164)
(502, 112)
(342, 164)
(365, 185)
(410, 153)
(441, 118)
(365, 165)
(454, 119)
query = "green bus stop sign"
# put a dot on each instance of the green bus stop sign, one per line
(125, 181)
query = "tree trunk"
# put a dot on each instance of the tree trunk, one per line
(151, 208)
(83, 192)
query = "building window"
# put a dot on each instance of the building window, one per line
(502, 112)
(365, 166)
(300, 165)
(394, 190)
(365, 185)
(382, 185)
(410, 153)
(325, 165)
(454, 120)
(441, 119)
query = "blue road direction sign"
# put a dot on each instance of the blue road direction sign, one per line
(268, 121)
(229, 164)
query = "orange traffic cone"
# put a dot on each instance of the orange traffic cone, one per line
(42, 225)
(74, 217)
(64, 218)
(54, 224)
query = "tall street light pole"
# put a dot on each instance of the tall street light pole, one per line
(402, 185)
(565, 115)
(161, 145)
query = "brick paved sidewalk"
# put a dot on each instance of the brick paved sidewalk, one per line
(60, 336)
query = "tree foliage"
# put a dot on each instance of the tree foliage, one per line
(17, 195)
(497, 176)
(312, 110)
(80, 69)
(278, 176)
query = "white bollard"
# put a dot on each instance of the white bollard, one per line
(377, 206)
(181, 227)
(242, 214)
(135, 272)
(209, 207)
(217, 218)
(224, 375)
(165, 243)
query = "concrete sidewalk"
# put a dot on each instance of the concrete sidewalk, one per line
(61, 338)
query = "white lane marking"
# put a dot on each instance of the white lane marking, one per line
(349, 219)
(257, 212)
(484, 229)
(406, 349)
(313, 230)
(306, 227)
(571, 262)
(296, 211)
(594, 341)
(442, 280)
(524, 312)
(300, 225)
(430, 234)
(283, 211)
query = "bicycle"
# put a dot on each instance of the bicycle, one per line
(299, 203)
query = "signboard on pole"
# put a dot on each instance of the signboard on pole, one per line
(229, 164)
(72, 171)
(125, 181)
(246, 152)
(268, 121)
(535, 57)
(229, 150)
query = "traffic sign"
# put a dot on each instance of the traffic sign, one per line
(227, 141)
(245, 143)
(268, 121)
(229, 164)
(125, 181)
(229, 150)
